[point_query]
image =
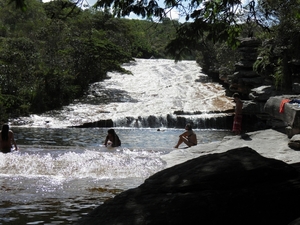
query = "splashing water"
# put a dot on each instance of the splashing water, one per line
(62, 173)
(157, 87)
(56, 185)
(87, 164)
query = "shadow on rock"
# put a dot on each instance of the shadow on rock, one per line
(246, 137)
(237, 187)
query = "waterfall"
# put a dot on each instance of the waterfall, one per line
(157, 93)
(214, 121)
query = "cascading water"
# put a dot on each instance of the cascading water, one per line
(62, 172)
(158, 93)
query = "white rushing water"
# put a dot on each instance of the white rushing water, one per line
(61, 173)
(157, 87)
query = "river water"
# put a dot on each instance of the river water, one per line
(62, 173)
(151, 96)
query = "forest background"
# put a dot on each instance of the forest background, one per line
(51, 52)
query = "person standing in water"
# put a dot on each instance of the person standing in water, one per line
(7, 139)
(237, 122)
(188, 137)
(112, 138)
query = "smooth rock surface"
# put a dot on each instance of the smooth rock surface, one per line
(290, 114)
(269, 143)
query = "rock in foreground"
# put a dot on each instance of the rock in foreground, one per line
(235, 187)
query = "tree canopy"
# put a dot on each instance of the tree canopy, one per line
(60, 48)
(219, 21)
(51, 52)
(215, 20)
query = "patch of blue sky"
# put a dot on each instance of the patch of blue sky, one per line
(173, 14)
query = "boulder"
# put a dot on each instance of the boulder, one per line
(100, 123)
(244, 73)
(251, 107)
(290, 113)
(244, 65)
(294, 142)
(262, 93)
(295, 222)
(235, 187)
(249, 42)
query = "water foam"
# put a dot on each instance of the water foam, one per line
(157, 87)
(113, 164)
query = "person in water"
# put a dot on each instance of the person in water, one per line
(188, 137)
(7, 139)
(112, 139)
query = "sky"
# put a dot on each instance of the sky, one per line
(172, 15)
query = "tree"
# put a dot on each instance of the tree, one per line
(57, 49)
(280, 53)
(217, 20)
(224, 21)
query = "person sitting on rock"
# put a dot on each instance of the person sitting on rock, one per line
(188, 137)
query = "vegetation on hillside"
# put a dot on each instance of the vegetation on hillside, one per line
(212, 23)
(51, 52)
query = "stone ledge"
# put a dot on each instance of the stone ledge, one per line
(290, 114)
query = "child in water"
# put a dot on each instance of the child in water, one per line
(112, 139)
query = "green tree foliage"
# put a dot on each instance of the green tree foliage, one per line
(210, 27)
(150, 39)
(280, 53)
(219, 21)
(45, 65)
(51, 52)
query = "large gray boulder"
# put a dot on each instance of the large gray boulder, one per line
(290, 113)
(262, 93)
(235, 187)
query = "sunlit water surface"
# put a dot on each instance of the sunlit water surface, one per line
(157, 88)
(59, 175)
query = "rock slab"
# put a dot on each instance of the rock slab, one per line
(238, 186)
(290, 113)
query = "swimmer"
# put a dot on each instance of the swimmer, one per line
(112, 139)
(7, 139)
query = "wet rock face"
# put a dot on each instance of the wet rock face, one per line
(236, 187)
(100, 123)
